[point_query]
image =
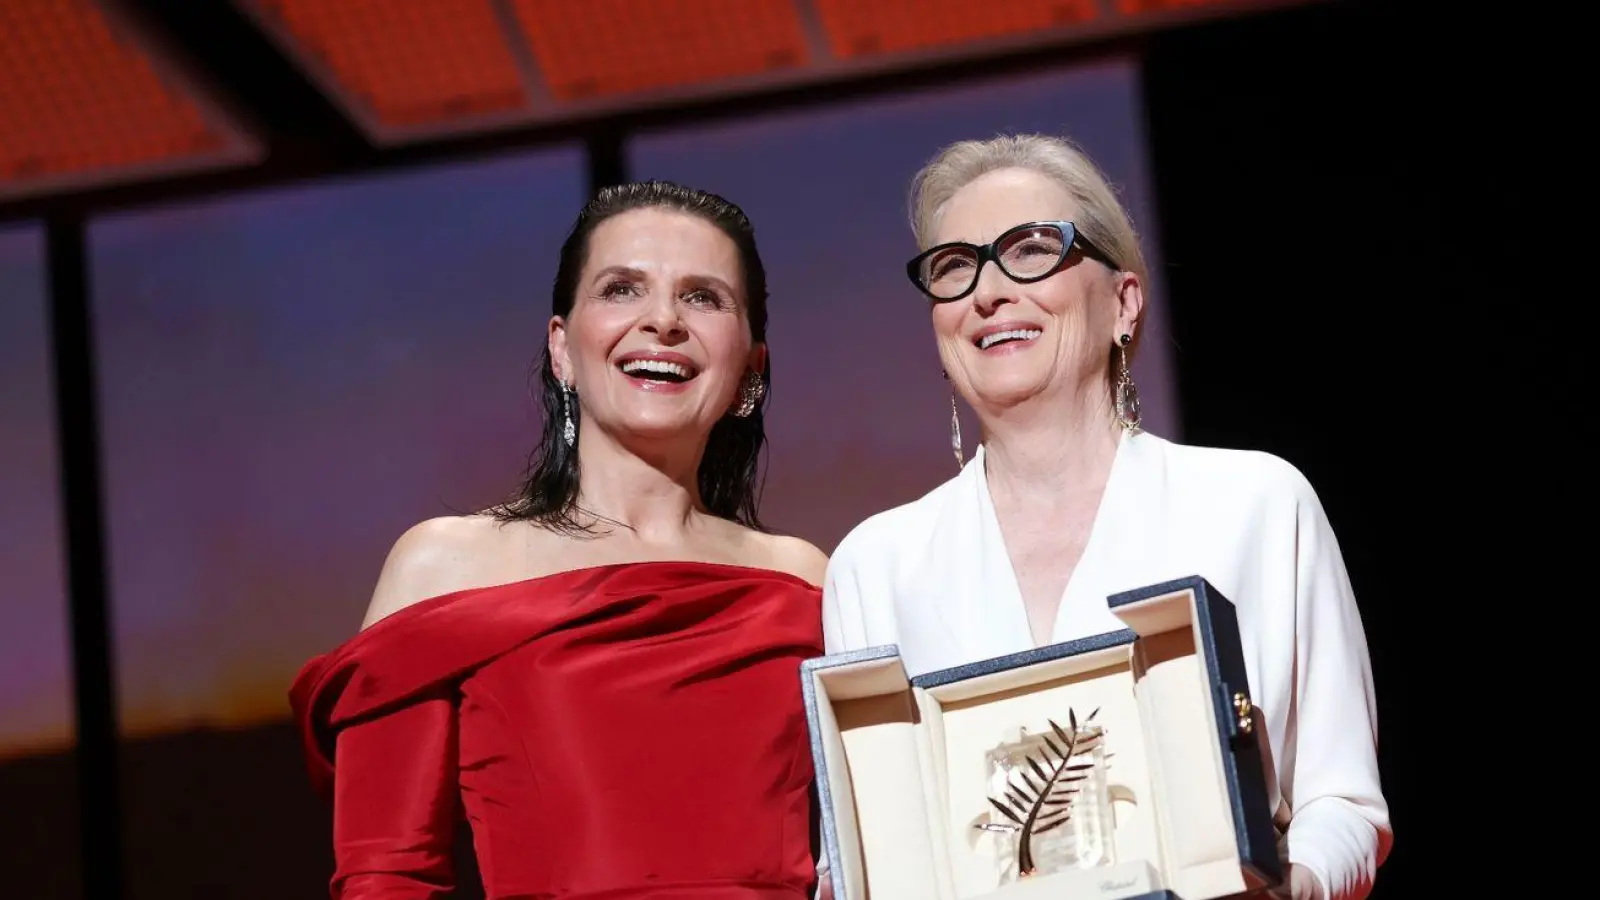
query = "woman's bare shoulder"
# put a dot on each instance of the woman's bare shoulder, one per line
(794, 556)
(434, 557)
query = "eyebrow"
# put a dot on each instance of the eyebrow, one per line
(627, 271)
(702, 280)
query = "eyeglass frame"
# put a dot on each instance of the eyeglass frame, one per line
(1072, 237)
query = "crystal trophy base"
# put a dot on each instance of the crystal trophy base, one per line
(1050, 801)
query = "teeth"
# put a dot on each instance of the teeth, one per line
(656, 365)
(1019, 334)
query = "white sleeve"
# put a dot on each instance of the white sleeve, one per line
(1339, 828)
(844, 624)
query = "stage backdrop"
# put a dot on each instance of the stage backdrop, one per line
(861, 415)
(35, 686)
(291, 378)
(37, 784)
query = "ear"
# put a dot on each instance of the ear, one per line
(560, 362)
(758, 357)
(1130, 304)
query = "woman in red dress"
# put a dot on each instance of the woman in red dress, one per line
(601, 677)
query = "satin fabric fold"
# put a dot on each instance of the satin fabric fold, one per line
(611, 733)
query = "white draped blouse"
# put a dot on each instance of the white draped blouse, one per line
(934, 577)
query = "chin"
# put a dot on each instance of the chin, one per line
(1006, 392)
(661, 422)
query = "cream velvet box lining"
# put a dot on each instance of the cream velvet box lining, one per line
(904, 784)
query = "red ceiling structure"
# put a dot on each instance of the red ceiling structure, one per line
(95, 92)
(85, 96)
(648, 45)
(860, 31)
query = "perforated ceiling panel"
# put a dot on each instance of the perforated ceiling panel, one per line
(83, 102)
(87, 98)
(408, 61)
(889, 26)
(618, 47)
(411, 69)
(1143, 7)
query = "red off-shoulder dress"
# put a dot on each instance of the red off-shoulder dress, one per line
(620, 732)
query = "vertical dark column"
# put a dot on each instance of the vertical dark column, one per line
(78, 440)
(607, 166)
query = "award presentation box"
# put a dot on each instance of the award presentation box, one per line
(1125, 765)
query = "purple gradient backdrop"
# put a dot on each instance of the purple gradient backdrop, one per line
(35, 675)
(289, 379)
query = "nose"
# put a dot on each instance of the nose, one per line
(993, 289)
(662, 319)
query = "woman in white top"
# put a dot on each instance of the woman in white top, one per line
(1036, 281)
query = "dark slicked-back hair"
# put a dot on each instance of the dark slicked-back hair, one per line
(729, 472)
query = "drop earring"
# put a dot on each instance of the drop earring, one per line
(569, 432)
(1125, 393)
(955, 428)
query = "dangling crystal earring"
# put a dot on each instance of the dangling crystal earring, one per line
(751, 390)
(1126, 392)
(955, 428)
(569, 433)
(955, 433)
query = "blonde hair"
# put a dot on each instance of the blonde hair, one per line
(1101, 218)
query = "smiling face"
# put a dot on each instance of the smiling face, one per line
(1006, 342)
(658, 338)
